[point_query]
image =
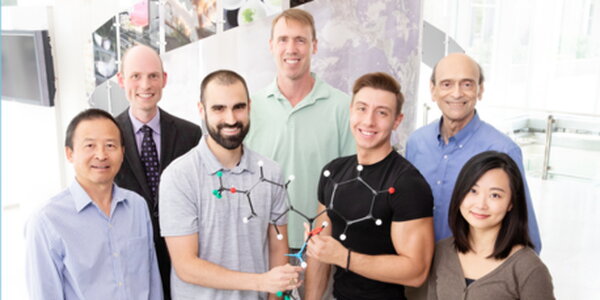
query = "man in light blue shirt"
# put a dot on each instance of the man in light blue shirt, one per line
(94, 239)
(439, 150)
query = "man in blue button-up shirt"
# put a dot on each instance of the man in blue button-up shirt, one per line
(439, 150)
(94, 239)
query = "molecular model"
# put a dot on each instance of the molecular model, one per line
(219, 192)
(374, 193)
(300, 254)
(290, 208)
(287, 295)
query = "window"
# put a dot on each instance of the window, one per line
(536, 55)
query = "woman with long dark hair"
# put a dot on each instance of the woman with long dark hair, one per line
(490, 255)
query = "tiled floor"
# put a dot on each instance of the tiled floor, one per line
(568, 215)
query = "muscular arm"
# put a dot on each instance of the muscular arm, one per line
(183, 251)
(413, 241)
(317, 273)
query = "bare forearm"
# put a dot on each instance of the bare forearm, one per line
(317, 272)
(395, 269)
(277, 251)
(316, 279)
(201, 272)
(413, 244)
(277, 258)
(192, 269)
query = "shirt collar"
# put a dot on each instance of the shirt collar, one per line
(154, 123)
(213, 165)
(317, 93)
(82, 199)
(464, 134)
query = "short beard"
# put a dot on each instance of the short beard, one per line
(230, 142)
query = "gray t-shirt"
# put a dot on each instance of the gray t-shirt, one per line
(188, 205)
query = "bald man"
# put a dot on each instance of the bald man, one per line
(153, 138)
(439, 150)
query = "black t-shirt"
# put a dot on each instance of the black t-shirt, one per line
(412, 199)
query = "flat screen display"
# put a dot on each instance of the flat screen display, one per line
(27, 69)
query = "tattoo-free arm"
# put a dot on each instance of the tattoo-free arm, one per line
(317, 273)
(183, 251)
(413, 241)
(277, 250)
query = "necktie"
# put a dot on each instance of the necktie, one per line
(150, 161)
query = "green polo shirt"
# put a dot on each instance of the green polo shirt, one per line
(302, 140)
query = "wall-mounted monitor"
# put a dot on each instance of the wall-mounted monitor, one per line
(27, 68)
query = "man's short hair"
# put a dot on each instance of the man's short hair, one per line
(481, 77)
(86, 115)
(126, 53)
(380, 81)
(224, 77)
(298, 15)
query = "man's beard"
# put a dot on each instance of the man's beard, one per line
(229, 142)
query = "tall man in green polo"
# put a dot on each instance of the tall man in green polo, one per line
(298, 120)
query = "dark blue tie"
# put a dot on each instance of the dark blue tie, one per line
(150, 160)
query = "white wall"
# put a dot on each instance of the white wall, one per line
(32, 135)
(33, 163)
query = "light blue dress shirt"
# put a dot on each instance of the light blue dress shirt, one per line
(75, 251)
(440, 163)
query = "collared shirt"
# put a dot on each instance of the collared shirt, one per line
(154, 124)
(302, 139)
(440, 163)
(75, 251)
(189, 205)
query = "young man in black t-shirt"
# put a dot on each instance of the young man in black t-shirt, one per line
(393, 244)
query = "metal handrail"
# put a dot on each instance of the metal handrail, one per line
(553, 122)
(546, 166)
(557, 124)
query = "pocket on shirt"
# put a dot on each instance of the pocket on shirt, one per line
(138, 256)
